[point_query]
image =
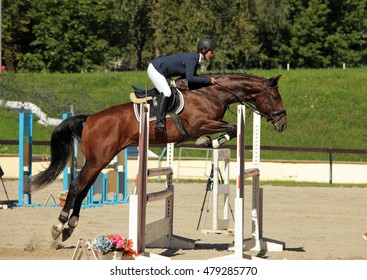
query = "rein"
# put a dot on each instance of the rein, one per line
(252, 107)
(249, 106)
(216, 99)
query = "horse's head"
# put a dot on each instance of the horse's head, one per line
(262, 93)
(270, 104)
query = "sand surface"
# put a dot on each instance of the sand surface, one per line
(315, 223)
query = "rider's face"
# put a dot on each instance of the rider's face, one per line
(209, 54)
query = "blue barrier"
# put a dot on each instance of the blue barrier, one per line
(113, 182)
(25, 156)
(25, 160)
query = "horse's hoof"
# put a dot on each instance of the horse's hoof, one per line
(55, 232)
(66, 233)
(203, 141)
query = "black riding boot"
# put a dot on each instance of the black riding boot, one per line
(161, 115)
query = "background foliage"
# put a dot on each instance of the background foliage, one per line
(90, 35)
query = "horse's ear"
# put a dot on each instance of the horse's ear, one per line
(274, 80)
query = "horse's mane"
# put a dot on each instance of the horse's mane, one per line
(219, 74)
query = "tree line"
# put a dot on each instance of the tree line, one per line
(90, 35)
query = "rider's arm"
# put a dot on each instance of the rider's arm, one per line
(191, 65)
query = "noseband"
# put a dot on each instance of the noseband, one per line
(273, 113)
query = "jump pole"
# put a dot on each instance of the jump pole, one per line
(257, 242)
(239, 198)
(158, 234)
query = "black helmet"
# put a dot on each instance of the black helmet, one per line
(207, 43)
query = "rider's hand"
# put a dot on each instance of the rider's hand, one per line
(213, 80)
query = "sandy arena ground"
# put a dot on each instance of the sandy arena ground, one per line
(315, 224)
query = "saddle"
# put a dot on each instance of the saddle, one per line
(150, 96)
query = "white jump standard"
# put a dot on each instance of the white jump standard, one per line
(257, 241)
(220, 190)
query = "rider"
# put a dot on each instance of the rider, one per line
(185, 64)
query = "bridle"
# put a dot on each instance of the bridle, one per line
(272, 113)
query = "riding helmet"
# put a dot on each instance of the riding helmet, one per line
(207, 43)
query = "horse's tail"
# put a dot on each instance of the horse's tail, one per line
(62, 140)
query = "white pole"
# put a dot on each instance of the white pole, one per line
(256, 141)
(239, 224)
(215, 188)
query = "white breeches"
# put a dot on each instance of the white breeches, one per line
(158, 80)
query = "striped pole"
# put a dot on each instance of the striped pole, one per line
(142, 174)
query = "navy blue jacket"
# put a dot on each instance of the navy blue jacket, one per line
(183, 64)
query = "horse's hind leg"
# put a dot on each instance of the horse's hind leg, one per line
(64, 214)
(78, 190)
(75, 196)
(74, 218)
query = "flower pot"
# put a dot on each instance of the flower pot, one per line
(127, 258)
(62, 197)
(110, 256)
(62, 201)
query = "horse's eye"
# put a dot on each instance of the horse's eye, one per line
(276, 97)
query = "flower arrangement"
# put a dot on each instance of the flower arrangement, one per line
(62, 197)
(111, 243)
(365, 236)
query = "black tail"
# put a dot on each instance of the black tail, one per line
(62, 140)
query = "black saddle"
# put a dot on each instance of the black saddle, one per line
(140, 92)
(175, 106)
(174, 102)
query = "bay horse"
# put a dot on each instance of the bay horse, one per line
(104, 134)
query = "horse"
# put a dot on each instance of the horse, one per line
(105, 133)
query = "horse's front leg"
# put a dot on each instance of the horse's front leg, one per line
(212, 127)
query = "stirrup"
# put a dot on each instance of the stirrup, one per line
(159, 127)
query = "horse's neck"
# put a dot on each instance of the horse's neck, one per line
(227, 88)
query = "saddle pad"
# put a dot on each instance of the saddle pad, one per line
(153, 109)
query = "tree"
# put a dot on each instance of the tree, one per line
(178, 26)
(170, 27)
(238, 45)
(137, 13)
(16, 31)
(309, 32)
(348, 24)
(85, 35)
(271, 20)
(73, 36)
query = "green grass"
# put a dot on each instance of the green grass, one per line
(9, 123)
(326, 108)
(279, 183)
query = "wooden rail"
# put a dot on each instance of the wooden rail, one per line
(247, 147)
